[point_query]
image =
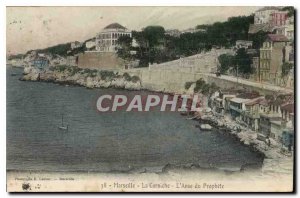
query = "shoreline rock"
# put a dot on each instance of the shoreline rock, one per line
(80, 78)
(272, 155)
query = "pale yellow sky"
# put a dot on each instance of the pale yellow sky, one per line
(39, 27)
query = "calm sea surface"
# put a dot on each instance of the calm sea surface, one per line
(96, 141)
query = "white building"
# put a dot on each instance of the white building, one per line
(191, 30)
(243, 44)
(287, 30)
(75, 45)
(106, 40)
(173, 32)
(90, 44)
(264, 15)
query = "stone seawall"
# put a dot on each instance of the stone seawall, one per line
(100, 60)
(174, 81)
(165, 80)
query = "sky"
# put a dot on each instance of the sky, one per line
(30, 28)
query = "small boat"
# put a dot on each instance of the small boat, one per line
(192, 118)
(62, 127)
(13, 74)
(206, 127)
(184, 113)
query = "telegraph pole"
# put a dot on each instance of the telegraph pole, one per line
(237, 73)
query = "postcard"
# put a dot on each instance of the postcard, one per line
(150, 99)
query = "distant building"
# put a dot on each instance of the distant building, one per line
(264, 15)
(265, 123)
(90, 44)
(288, 139)
(274, 114)
(272, 56)
(40, 62)
(286, 30)
(279, 18)
(134, 43)
(290, 79)
(190, 30)
(263, 19)
(289, 31)
(290, 20)
(173, 32)
(237, 106)
(287, 111)
(106, 40)
(243, 44)
(251, 113)
(276, 130)
(75, 45)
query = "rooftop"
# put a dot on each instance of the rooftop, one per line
(264, 102)
(243, 41)
(288, 107)
(271, 115)
(277, 38)
(248, 95)
(277, 122)
(239, 100)
(268, 8)
(114, 26)
(254, 28)
(254, 101)
(282, 99)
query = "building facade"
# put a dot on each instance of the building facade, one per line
(265, 123)
(276, 130)
(90, 44)
(75, 45)
(173, 32)
(106, 40)
(243, 44)
(237, 107)
(251, 114)
(286, 30)
(272, 55)
(279, 18)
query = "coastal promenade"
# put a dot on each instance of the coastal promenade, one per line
(261, 85)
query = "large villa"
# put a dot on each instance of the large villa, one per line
(106, 40)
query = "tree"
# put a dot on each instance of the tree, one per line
(124, 47)
(205, 89)
(199, 85)
(243, 62)
(258, 38)
(290, 9)
(154, 35)
(214, 88)
(285, 68)
(226, 61)
(155, 46)
(60, 49)
(187, 85)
